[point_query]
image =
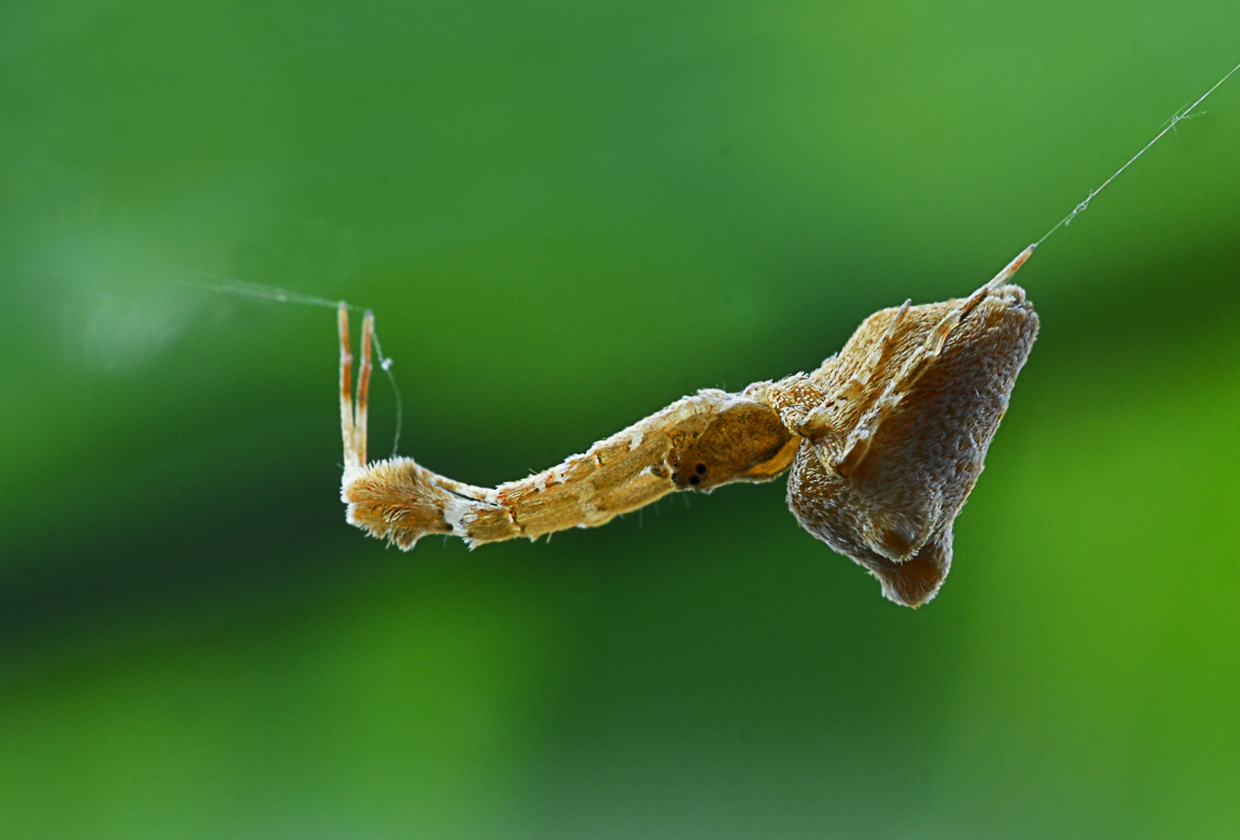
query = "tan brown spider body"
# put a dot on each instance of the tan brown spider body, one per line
(885, 441)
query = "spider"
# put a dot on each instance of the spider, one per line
(884, 441)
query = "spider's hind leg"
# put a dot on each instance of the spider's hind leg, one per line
(938, 321)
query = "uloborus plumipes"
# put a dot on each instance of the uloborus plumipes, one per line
(884, 441)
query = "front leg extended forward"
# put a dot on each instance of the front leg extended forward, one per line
(698, 442)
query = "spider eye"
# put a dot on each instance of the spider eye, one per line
(700, 469)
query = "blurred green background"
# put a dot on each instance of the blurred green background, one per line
(567, 215)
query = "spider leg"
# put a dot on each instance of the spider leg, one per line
(878, 356)
(348, 430)
(938, 337)
(1008, 270)
(353, 413)
(697, 443)
(363, 386)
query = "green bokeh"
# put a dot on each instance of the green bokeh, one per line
(566, 216)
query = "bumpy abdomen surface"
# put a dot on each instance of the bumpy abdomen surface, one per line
(893, 511)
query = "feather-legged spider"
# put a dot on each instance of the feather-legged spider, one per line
(884, 440)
